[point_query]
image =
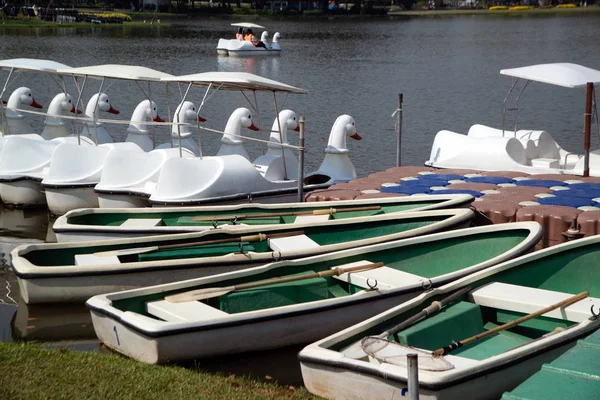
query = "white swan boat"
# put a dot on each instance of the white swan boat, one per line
(230, 177)
(239, 47)
(13, 121)
(130, 181)
(524, 150)
(67, 188)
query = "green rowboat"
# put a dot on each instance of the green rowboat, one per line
(73, 272)
(99, 224)
(298, 307)
(509, 320)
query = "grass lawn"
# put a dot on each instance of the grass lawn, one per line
(30, 371)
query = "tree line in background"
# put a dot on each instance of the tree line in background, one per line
(276, 6)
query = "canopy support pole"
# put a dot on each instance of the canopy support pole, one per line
(301, 160)
(587, 128)
(2, 107)
(285, 174)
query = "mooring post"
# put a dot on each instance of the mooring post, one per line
(587, 128)
(399, 131)
(301, 160)
(413, 376)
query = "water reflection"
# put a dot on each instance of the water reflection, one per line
(262, 66)
(52, 323)
(25, 223)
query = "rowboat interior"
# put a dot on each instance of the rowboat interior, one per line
(400, 269)
(291, 239)
(231, 217)
(497, 300)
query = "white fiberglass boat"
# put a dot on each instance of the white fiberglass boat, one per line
(230, 177)
(66, 187)
(245, 44)
(528, 151)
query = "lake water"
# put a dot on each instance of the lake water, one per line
(446, 67)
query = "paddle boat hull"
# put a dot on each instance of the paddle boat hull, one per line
(140, 324)
(527, 151)
(69, 188)
(339, 367)
(23, 163)
(489, 149)
(99, 224)
(128, 179)
(22, 192)
(243, 48)
(72, 272)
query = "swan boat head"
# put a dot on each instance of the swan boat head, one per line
(337, 166)
(288, 120)
(185, 113)
(264, 37)
(15, 120)
(231, 142)
(145, 112)
(276, 45)
(344, 126)
(240, 118)
(98, 102)
(54, 125)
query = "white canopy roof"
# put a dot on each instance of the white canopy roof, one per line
(248, 25)
(33, 64)
(560, 74)
(235, 81)
(118, 71)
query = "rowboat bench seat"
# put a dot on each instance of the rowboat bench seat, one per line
(142, 222)
(292, 243)
(309, 219)
(183, 312)
(526, 300)
(90, 259)
(384, 277)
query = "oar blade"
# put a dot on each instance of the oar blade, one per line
(200, 294)
(125, 252)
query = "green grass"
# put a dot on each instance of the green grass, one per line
(30, 371)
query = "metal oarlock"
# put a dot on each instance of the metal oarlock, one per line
(372, 286)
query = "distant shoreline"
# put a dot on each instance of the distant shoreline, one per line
(150, 19)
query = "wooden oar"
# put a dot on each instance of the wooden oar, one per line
(327, 211)
(202, 294)
(356, 350)
(251, 238)
(446, 349)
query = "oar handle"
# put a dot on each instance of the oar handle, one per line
(326, 211)
(431, 309)
(259, 237)
(331, 272)
(566, 302)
